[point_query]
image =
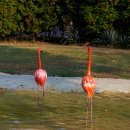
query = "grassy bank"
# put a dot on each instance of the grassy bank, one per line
(19, 109)
(58, 60)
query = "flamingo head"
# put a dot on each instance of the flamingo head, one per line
(39, 50)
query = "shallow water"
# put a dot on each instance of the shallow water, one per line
(20, 110)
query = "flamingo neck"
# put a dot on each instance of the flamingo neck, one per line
(39, 61)
(89, 60)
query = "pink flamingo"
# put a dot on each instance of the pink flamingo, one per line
(88, 83)
(40, 74)
(40, 77)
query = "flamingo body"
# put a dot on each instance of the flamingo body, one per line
(88, 84)
(40, 77)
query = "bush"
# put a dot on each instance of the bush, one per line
(70, 35)
(112, 38)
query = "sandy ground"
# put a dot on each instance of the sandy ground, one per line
(63, 83)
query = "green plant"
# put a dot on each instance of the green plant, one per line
(70, 34)
(113, 39)
(123, 41)
(108, 38)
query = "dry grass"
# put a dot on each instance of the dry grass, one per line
(21, 58)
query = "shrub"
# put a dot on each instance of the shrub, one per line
(70, 35)
(112, 39)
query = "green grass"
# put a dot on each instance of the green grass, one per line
(64, 61)
(63, 110)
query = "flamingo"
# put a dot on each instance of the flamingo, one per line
(40, 78)
(88, 83)
(40, 74)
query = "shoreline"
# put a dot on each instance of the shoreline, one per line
(66, 84)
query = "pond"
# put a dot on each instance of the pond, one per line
(21, 110)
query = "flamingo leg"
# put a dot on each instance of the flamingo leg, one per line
(39, 102)
(42, 99)
(86, 112)
(91, 112)
(37, 94)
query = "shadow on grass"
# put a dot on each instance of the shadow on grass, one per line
(24, 61)
(16, 60)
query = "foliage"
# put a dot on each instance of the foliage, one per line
(28, 22)
(51, 36)
(70, 35)
(8, 21)
(109, 38)
(122, 24)
(26, 19)
(113, 39)
(99, 17)
(124, 41)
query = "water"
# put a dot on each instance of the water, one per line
(63, 111)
